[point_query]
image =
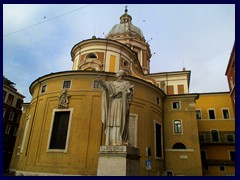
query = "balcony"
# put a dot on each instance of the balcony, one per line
(220, 162)
(217, 138)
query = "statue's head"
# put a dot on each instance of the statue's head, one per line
(121, 73)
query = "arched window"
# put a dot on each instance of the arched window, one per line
(91, 55)
(177, 126)
(125, 63)
(179, 146)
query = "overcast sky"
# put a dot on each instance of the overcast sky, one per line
(37, 39)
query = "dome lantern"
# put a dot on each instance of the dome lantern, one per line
(125, 18)
(126, 27)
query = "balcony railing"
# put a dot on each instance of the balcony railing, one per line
(220, 162)
(220, 137)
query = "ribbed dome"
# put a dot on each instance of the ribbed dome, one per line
(125, 26)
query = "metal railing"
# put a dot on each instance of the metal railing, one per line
(220, 137)
(220, 162)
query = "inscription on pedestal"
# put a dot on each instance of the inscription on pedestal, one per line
(112, 148)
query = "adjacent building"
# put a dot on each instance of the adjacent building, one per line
(230, 73)
(216, 126)
(12, 104)
(181, 142)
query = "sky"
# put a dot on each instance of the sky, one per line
(38, 38)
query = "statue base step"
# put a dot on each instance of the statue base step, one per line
(118, 161)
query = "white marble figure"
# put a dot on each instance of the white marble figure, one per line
(63, 99)
(116, 100)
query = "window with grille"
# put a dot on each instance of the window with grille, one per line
(10, 99)
(177, 126)
(66, 84)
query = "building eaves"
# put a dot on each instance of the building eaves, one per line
(14, 90)
(225, 92)
(230, 59)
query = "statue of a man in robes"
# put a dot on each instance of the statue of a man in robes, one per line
(116, 100)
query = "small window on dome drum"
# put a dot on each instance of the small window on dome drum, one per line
(125, 63)
(91, 55)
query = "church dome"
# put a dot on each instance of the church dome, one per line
(125, 27)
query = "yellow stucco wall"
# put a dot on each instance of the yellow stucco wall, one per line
(220, 150)
(182, 161)
(86, 134)
(214, 171)
(214, 101)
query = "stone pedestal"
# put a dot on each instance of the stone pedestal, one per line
(118, 161)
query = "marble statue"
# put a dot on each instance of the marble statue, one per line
(63, 100)
(116, 100)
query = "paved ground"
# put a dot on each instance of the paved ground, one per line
(8, 174)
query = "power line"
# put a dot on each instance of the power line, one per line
(45, 21)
